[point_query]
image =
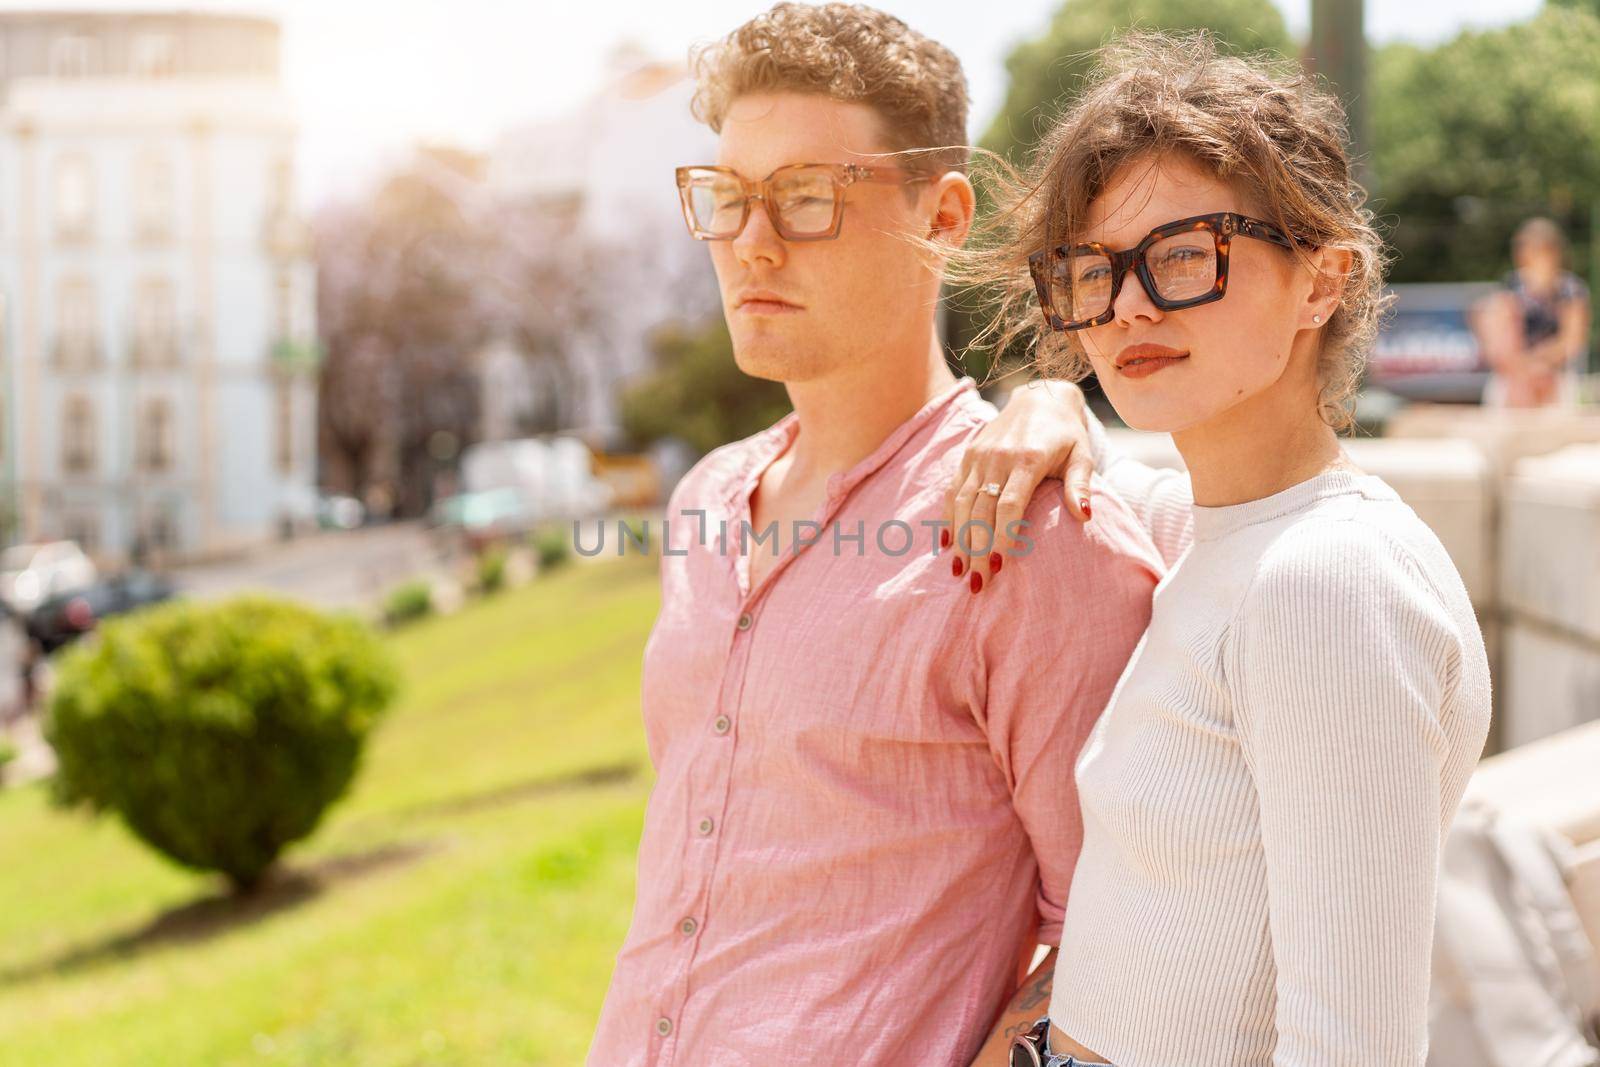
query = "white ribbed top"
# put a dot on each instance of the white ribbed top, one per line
(1265, 797)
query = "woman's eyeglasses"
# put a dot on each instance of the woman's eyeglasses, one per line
(1181, 265)
(805, 201)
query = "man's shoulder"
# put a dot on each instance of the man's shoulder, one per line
(1063, 546)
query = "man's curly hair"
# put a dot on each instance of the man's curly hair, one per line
(846, 52)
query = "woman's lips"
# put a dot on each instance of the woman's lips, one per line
(1141, 361)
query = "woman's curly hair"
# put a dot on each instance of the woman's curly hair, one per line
(1258, 123)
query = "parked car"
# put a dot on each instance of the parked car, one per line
(335, 512)
(65, 617)
(551, 478)
(13, 657)
(31, 574)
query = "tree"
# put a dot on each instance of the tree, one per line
(1047, 72)
(401, 310)
(1472, 137)
(1591, 6)
(698, 393)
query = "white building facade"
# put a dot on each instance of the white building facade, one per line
(157, 345)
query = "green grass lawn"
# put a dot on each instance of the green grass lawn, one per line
(461, 906)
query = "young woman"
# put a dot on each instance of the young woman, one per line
(1535, 330)
(1265, 797)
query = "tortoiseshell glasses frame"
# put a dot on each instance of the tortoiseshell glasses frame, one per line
(1096, 305)
(804, 201)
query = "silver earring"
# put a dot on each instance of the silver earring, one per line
(1316, 318)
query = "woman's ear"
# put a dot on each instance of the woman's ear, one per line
(1330, 272)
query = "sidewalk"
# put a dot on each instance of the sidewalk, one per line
(34, 760)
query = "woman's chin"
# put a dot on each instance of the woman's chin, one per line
(1148, 415)
(1168, 410)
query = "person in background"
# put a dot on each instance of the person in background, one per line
(1535, 330)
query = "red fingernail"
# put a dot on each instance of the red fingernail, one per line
(994, 562)
(955, 566)
(976, 581)
(1084, 504)
(944, 537)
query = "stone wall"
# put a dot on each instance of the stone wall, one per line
(1550, 593)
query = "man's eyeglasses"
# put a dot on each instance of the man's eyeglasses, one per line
(1181, 265)
(805, 201)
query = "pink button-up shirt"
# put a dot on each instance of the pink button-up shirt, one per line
(864, 815)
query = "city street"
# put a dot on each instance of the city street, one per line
(331, 569)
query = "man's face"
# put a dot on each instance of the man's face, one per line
(800, 310)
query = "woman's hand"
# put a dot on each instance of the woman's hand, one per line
(1043, 432)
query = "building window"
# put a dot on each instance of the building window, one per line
(155, 436)
(285, 420)
(73, 56)
(83, 528)
(155, 324)
(74, 198)
(153, 198)
(154, 55)
(283, 305)
(284, 230)
(283, 184)
(77, 339)
(77, 436)
(161, 530)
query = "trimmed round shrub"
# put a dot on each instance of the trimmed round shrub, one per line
(408, 602)
(219, 733)
(551, 546)
(492, 570)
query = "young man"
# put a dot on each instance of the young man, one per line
(864, 818)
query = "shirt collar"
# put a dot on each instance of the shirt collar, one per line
(771, 443)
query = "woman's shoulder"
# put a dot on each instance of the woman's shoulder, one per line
(1368, 546)
(1366, 586)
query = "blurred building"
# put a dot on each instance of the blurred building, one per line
(605, 173)
(157, 354)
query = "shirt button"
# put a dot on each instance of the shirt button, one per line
(663, 1026)
(723, 724)
(744, 621)
(706, 826)
(688, 927)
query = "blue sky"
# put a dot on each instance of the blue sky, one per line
(373, 76)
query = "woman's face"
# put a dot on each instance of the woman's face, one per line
(1539, 261)
(1178, 370)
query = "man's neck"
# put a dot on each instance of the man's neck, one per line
(845, 416)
